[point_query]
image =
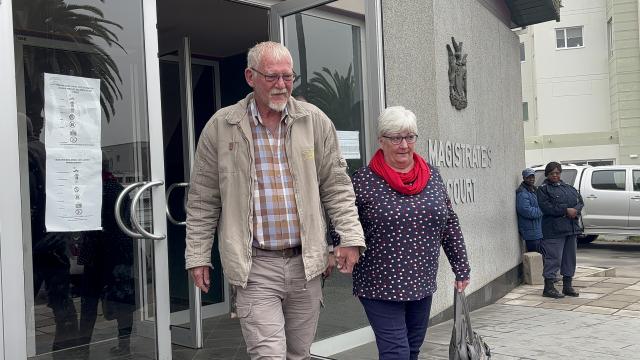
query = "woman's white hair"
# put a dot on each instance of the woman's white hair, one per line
(396, 119)
(275, 50)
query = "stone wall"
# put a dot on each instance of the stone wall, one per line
(416, 33)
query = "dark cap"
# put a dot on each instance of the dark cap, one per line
(528, 172)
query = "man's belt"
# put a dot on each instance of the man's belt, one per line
(284, 253)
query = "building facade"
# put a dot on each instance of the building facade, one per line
(580, 85)
(103, 103)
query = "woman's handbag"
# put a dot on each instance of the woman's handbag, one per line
(465, 343)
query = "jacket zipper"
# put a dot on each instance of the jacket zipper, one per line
(251, 166)
(295, 186)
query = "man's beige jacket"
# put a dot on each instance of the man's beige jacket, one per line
(222, 187)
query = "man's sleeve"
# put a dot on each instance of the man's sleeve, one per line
(203, 205)
(524, 208)
(336, 190)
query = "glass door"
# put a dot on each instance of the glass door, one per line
(191, 95)
(340, 76)
(331, 73)
(92, 179)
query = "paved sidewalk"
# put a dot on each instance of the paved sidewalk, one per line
(603, 323)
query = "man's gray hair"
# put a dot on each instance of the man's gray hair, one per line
(396, 119)
(275, 50)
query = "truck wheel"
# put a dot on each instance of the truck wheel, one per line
(585, 239)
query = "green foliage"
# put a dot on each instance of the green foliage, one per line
(336, 95)
(83, 25)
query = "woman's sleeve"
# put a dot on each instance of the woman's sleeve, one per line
(580, 203)
(548, 205)
(453, 243)
(334, 237)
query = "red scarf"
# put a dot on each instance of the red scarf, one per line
(409, 183)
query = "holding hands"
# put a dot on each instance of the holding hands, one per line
(347, 257)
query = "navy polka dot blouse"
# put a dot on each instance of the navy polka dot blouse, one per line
(403, 235)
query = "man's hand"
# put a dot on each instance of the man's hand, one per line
(461, 285)
(330, 266)
(200, 276)
(572, 213)
(347, 257)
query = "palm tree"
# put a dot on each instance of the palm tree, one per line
(336, 95)
(83, 25)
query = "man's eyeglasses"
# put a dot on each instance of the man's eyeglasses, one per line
(396, 140)
(274, 77)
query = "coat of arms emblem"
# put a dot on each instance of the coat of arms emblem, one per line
(457, 75)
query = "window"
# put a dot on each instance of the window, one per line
(610, 36)
(525, 111)
(600, 162)
(609, 180)
(570, 37)
(522, 53)
(636, 180)
(593, 162)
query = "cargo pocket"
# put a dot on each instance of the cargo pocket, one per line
(243, 311)
(248, 330)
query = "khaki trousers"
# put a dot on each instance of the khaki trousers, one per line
(279, 309)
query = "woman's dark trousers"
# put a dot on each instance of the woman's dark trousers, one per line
(559, 254)
(399, 326)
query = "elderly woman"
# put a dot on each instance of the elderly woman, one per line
(561, 205)
(406, 215)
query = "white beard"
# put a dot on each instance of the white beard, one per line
(279, 107)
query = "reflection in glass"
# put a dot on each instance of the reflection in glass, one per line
(330, 72)
(90, 288)
(331, 78)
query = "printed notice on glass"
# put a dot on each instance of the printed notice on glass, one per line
(72, 111)
(74, 157)
(349, 144)
(74, 190)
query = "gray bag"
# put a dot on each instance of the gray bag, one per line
(465, 343)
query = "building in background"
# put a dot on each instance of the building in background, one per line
(581, 85)
(161, 68)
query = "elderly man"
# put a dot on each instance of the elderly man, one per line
(266, 169)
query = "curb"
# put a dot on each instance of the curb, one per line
(597, 271)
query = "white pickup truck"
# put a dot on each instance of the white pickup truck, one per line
(611, 197)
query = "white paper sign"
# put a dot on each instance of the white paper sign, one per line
(349, 144)
(74, 190)
(74, 156)
(72, 111)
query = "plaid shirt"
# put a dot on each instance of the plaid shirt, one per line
(275, 222)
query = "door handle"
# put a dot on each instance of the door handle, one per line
(134, 218)
(169, 190)
(592, 197)
(635, 198)
(118, 213)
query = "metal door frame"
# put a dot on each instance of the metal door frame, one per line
(12, 254)
(12, 291)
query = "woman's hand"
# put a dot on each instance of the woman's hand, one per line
(572, 213)
(461, 285)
